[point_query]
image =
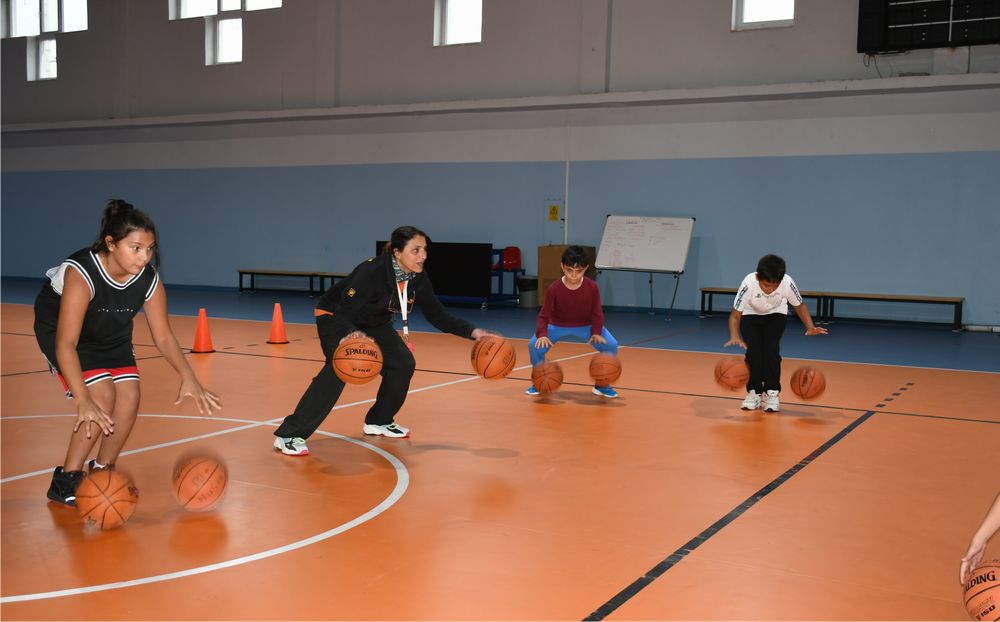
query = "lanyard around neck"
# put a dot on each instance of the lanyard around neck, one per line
(401, 288)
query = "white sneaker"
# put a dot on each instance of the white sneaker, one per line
(291, 446)
(751, 402)
(393, 429)
(771, 404)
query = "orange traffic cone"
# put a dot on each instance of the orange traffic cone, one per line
(277, 326)
(202, 339)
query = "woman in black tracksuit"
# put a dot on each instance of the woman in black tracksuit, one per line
(362, 305)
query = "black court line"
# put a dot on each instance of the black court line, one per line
(528, 379)
(46, 371)
(946, 418)
(656, 571)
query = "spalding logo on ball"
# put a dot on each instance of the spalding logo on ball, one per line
(357, 360)
(982, 592)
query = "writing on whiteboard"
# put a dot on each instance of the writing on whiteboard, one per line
(648, 243)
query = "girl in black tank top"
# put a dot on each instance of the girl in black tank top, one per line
(83, 324)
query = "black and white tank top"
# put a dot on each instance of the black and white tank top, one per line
(108, 321)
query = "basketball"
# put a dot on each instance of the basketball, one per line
(199, 483)
(106, 499)
(605, 368)
(808, 382)
(732, 372)
(982, 592)
(547, 377)
(493, 357)
(357, 360)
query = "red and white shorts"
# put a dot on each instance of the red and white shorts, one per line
(93, 376)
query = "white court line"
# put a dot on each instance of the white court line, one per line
(251, 424)
(402, 483)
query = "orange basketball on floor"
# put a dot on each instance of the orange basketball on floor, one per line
(493, 357)
(106, 499)
(982, 592)
(808, 382)
(199, 483)
(732, 372)
(357, 360)
(605, 368)
(547, 377)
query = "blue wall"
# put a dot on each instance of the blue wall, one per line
(916, 224)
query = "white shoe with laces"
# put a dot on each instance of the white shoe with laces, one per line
(291, 446)
(393, 430)
(771, 402)
(751, 402)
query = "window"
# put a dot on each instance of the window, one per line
(25, 18)
(260, 5)
(39, 21)
(228, 40)
(30, 18)
(749, 14)
(50, 15)
(223, 24)
(45, 67)
(74, 15)
(458, 21)
(186, 9)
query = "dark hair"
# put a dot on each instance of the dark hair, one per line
(575, 256)
(400, 237)
(771, 268)
(120, 219)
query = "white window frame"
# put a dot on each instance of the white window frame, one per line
(213, 24)
(246, 6)
(62, 18)
(441, 25)
(174, 9)
(47, 32)
(43, 26)
(212, 39)
(739, 24)
(34, 57)
(10, 8)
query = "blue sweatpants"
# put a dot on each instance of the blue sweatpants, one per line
(557, 333)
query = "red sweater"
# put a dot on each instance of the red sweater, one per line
(571, 307)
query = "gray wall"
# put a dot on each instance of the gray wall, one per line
(133, 62)
(343, 121)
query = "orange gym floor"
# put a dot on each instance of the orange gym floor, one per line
(667, 503)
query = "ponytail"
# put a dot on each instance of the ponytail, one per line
(120, 219)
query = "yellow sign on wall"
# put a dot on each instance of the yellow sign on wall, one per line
(553, 213)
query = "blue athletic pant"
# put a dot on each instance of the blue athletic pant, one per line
(558, 333)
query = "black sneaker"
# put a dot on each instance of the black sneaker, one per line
(63, 486)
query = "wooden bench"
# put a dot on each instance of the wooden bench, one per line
(827, 313)
(312, 275)
(707, 293)
(825, 302)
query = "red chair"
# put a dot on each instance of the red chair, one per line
(511, 258)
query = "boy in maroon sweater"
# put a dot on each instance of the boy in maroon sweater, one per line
(572, 308)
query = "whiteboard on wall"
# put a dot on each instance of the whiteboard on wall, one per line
(645, 243)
